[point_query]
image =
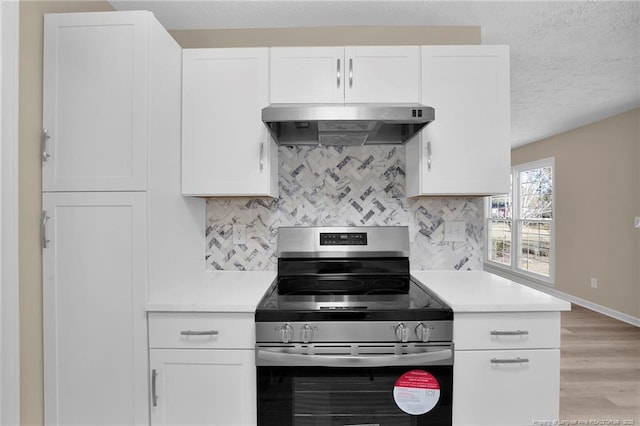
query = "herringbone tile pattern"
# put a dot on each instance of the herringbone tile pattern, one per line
(340, 186)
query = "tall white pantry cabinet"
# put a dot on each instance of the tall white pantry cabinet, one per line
(111, 181)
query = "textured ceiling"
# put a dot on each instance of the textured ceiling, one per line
(572, 62)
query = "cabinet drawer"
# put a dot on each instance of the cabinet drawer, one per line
(507, 330)
(506, 388)
(201, 330)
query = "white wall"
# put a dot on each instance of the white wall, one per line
(9, 332)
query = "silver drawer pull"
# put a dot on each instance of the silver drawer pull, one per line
(154, 394)
(509, 361)
(261, 156)
(199, 333)
(45, 219)
(510, 333)
(45, 138)
(350, 73)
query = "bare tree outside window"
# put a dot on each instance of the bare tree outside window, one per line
(500, 228)
(520, 224)
(536, 213)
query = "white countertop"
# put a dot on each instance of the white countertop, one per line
(216, 291)
(464, 291)
(480, 291)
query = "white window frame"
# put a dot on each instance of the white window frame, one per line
(513, 270)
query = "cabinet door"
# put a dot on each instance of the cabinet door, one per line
(307, 75)
(203, 387)
(94, 279)
(226, 149)
(466, 150)
(495, 388)
(95, 101)
(382, 74)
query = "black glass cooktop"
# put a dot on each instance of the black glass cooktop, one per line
(354, 298)
(344, 289)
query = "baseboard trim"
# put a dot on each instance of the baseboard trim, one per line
(621, 316)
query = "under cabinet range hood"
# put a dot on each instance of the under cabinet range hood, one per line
(345, 124)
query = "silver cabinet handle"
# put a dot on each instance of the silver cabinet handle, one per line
(261, 155)
(45, 137)
(154, 394)
(199, 333)
(510, 333)
(338, 74)
(429, 155)
(45, 219)
(509, 361)
(350, 73)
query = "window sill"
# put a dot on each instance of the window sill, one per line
(516, 276)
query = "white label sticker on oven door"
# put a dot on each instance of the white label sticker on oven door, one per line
(416, 392)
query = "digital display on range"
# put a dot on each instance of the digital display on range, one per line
(343, 238)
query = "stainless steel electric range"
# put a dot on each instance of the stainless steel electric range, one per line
(345, 337)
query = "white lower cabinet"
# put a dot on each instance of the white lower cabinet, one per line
(507, 368)
(94, 280)
(202, 387)
(506, 388)
(202, 369)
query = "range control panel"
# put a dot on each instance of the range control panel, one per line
(354, 331)
(343, 238)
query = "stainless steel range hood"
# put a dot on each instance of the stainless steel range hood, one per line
(345, 124)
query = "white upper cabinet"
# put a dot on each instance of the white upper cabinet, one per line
(382, 74)
(95, 101)
(371, 74)
(226, 149)
(466, 150)
(307, 74)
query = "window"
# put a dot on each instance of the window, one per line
(520, 225)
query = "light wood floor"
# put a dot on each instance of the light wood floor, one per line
(599, 369)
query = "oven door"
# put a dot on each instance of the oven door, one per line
(373, 385)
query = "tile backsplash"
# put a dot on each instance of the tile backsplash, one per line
(342, 186)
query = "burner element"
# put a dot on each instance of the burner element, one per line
(320, 285)
(388, 283)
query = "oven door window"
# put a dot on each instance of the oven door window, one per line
(327, 396)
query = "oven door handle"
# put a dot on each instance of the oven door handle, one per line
(289, 359)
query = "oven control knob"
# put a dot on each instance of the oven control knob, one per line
(307, 333)
(423, 332)
(286, 333)
(402, 333)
